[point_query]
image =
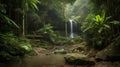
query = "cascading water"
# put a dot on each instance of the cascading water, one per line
(72, 22)
(77, 11)
(71, 28)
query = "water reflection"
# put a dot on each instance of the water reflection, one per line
(39, 61)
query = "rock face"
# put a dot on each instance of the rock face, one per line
(110, 53)
(78, 59)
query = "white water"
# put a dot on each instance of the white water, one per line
(72, 22)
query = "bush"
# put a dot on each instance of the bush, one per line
(12, 46)
(47, 33)
(96, 30)
(51, 37)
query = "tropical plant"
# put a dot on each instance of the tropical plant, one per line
(97, 26)
(5, 20)
(13, 46)
(25, 7)
(98, 22)
(47, 33)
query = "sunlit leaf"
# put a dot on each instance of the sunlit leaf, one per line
(35, 6)
(97, 18)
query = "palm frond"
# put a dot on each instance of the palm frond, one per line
(8, 20)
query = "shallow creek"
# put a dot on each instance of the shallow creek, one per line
(40, 61)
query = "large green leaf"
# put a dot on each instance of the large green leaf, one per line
(97, 18)
(103, 17)
(100, 30)
(107, 26)
(33, 3)
(107, 18)
(8, 20)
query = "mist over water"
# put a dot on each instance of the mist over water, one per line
(80, 8)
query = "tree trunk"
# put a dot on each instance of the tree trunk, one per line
(23, 25)
(66, 29)
(66, 32)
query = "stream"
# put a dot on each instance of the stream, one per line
(55, 60)
(42, 59)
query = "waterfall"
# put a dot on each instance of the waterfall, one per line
(72, 22)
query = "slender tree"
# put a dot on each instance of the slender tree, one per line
(60, 7)
(26, 6)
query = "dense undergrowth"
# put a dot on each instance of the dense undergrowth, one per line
(12, 46)
(51, 37)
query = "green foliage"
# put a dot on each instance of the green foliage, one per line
(47, 29)
(68, 41)
(50, 36)
(27, 4)
(4, 19)
(75, 40)
(77, 18)
(13, 46)
(47, 33)
(96, 25)
(33, 3)
(8, 20)
(116, 41)
(112, 7)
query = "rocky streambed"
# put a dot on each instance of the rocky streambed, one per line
(69, 56)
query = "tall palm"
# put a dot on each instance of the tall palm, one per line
(26, 6)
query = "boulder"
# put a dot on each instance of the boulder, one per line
(39, 50)
(110, 53)
(78, 59)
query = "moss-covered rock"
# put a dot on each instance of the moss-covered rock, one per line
(110, 53)
(60, 51)
(79, 59)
